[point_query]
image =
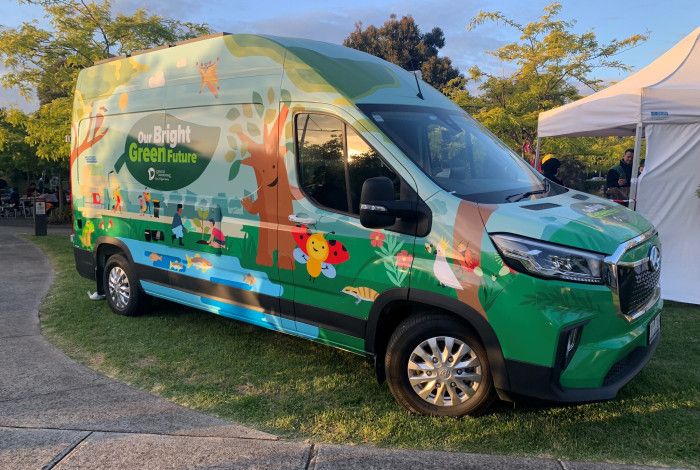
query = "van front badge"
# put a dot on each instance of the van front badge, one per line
(654, 258)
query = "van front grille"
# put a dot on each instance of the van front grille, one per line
(638, 285)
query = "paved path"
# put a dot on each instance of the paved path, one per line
(55, 413)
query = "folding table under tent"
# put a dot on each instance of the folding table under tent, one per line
(661, 102)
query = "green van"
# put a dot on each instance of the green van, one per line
(319, 191)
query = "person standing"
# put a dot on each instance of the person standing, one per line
(177, 227)
(619, 178)
(550, 169)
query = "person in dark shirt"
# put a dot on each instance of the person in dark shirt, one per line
(619, 178)
(620, 175)
(177, 226)
(550, 169)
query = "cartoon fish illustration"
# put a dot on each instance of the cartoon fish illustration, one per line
(155, 257)
(442, 270)
(199, 262)
(102, 225)
(361, 293)
(318, 254)
(110, 224)
(249, 279)
(176, 265)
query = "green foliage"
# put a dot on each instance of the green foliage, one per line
(548, 59)
(47, 62)
(402, 43)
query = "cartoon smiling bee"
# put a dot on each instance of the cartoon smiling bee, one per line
(317, 253)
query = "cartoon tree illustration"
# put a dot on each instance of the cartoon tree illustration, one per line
(94, 134)
(200, 221)
(261, 149)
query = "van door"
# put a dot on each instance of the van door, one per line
(341, 267)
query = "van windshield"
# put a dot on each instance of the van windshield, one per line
(460, 155)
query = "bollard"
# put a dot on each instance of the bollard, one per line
(40, 218)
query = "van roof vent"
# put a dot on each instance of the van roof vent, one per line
(541, 206)
(580, 197)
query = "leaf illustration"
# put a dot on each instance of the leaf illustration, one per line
(230, 156)
(233, 114)
(270, 95)
(253, 130)
(232, 142)
(236, 129)
(233, 172)
(270, 115)
(257, 98)
(392, 278)
(259, 109)
(285, 95)
(248, 110)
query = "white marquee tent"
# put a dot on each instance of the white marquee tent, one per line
(662, 103)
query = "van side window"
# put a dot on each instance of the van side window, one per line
(363, 163)
(334, 162)
(321, 155)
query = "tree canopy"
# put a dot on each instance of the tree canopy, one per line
(401, 42)
(549, 62)
(47, 61)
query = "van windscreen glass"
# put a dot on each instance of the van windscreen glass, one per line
(458, 153)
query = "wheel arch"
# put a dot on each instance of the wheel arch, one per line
(104, 248)
(395, 305)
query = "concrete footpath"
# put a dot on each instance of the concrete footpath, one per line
(56, 413)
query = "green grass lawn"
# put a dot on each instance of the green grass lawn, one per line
(298, 389)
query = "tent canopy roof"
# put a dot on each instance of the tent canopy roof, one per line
(665, 91)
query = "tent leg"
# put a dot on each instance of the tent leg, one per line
(537, 154)
(635, 165)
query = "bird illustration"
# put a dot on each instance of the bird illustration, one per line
(441, 268)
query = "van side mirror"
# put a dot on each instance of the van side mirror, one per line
(376, 197)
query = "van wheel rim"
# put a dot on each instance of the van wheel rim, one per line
(444, 371)
(119, 290)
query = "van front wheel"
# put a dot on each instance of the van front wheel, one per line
(436, 366)
(123, 294)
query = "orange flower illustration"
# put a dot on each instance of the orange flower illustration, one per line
(377, 239)
(403, 259)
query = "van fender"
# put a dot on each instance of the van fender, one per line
(99, 263)
(430, 299)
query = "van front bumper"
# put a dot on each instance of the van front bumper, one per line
(544, 383)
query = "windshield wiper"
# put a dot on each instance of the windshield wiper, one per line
(521, 196)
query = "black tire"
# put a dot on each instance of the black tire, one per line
(408, 336)
(137, 299)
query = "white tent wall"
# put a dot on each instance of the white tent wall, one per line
(666, 197)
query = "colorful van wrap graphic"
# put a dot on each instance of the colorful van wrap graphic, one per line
(187, 155)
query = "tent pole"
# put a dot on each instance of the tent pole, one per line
(537, 154)
(635, 165)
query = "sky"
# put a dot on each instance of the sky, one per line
(666, 22)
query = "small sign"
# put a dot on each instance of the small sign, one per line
(659, 115)
(40, 208)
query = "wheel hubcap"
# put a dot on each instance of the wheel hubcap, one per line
(119, 291)
(444, 371)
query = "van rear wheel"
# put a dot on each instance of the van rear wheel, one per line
(438, 367)
(122, 291)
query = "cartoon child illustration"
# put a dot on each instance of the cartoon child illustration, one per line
(142, 205)
(117, 200)
(217, 238)
(177, 227)
(147, 199)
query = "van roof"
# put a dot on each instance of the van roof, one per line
(310, 67)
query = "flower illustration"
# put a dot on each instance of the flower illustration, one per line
(403, 259)
(377, 239)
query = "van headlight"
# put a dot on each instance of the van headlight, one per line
(550, 261)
